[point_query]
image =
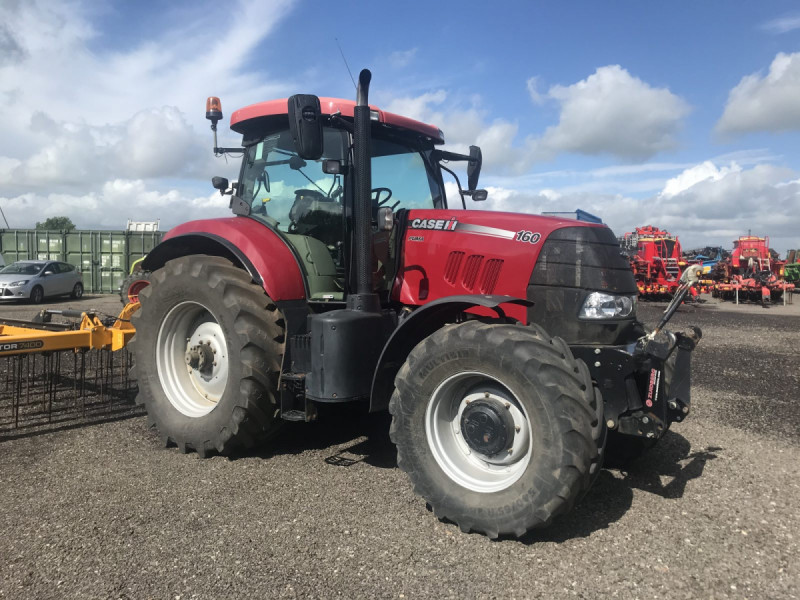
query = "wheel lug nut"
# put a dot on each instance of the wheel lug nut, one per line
(517, 428)
(508, 405)
(485, 394)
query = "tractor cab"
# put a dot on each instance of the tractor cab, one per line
(309, 201)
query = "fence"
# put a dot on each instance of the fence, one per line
(104, 257)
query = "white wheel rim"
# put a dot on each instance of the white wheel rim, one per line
(462, 464)
(193, 391)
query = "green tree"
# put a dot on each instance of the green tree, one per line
(56, 224)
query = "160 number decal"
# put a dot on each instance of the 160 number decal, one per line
(528, 236)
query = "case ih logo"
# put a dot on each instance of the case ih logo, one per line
(32, 345)
(443, 224)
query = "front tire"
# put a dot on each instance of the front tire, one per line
(37, 295)
(497, 426)
(208, 350)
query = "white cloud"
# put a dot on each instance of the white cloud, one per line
(612, 112)
(402, 58)
(533, 90)
(765, 103)
(609, 112)
(109, 207)
(153, 143)
(706, 171)
(465, 126)
(101, 133)
(783, 24)
(706, 204)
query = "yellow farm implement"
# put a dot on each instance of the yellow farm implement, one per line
(64, 373)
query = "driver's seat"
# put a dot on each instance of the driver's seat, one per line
(316, 216)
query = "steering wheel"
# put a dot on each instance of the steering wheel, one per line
(377, 195)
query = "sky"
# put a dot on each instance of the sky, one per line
(683, 114)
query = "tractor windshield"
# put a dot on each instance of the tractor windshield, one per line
(282, 188)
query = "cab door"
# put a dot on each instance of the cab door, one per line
(402, 179)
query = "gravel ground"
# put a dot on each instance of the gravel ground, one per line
(712, 512)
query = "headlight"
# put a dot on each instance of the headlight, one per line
(599, 305)
(18, 283)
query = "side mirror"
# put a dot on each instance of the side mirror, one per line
(47, 273)
(220, 183)
(474, 168)
(479, 195)
(305, 125)
(332, 167)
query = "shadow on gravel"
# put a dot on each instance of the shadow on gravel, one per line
(345, 426)
(611, 497)
(668, 460)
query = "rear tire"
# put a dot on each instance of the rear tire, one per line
(77, 291)
(200, 310)
(132, 285)
(554, 407)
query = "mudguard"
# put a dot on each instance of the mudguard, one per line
(257, 248)
(418, 325)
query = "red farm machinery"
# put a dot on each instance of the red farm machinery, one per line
(751, 273)
(505, 346)
(656, 260)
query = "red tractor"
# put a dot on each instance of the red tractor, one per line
(503, 345)
(656, 261)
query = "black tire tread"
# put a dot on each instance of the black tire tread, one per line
(258, 324)
(580, 420)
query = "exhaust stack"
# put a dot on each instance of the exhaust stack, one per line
(363, 299)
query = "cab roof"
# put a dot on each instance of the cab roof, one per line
(330, 106)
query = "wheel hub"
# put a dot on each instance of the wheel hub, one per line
(200, 357)
(478, 432)
(192, 359)
(487, 427)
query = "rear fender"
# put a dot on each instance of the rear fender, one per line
(248, 243)
(418, 325)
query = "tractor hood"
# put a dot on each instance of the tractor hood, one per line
(552, 261)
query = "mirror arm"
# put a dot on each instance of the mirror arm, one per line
(446, 155)
(460, 189)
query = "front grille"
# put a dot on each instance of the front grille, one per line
(573, 262)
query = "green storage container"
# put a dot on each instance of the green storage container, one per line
(104, 257)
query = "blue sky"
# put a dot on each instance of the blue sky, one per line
(683, 114)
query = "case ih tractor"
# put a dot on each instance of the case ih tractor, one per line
(505, 346)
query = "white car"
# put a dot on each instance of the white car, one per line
(35, 280)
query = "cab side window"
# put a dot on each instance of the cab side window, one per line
(401, 171)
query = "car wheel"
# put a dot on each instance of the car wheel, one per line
(37, 295)
(77, 291)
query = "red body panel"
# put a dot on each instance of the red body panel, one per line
(453, 252)
(271, 257)
(330, 106)
(751, 247)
